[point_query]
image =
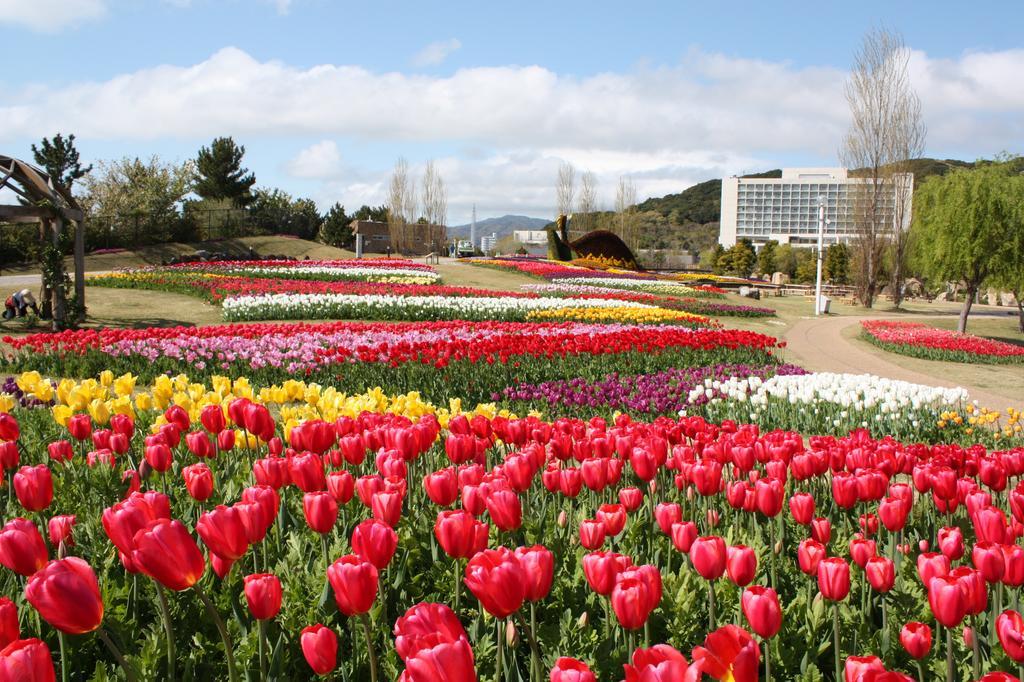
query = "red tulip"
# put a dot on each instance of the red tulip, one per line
(80, 426)
(341, 485)
(667, 514)
(740, 564)
(270, 471)
(613, 516)
(632, 600)
(424, 626)
(60, 528)
(571, 670)
(631, 498)
(460, 534)
(34, 487)
(951, 542)
(1010, 629)
(198, 481)
(27, 660)
(445, 662)
(821, 530)
(159, 456)
(387, 507)
(497, 579)
(354, 581)
(769, 495)
(881, 573)
(916, 638)
(683, 536)
(9, 455)
(212, 418)
(946, 598)
(199, 444)
(22, 548)
(998, 677)
(931, 565)
(321, 511)
(861, 550)
(1013, 565)
(9, 628)
(320, 648)
(988, 558)
(592, 534)
(375, 541)
(834, 578)
(660, 663)
(857, 668)
(223, 531)
(60, 451)
(973, 586)
(893, 511)
(729, 651)
(66, 594)
(442, 486)
(538, 564)
(761, 607)
(505, 509)
(708, 555)
(226, 440)
(801, 505)
(263, 594)
(306, 471)
(9, 429)
(167, 553)
(809, 554)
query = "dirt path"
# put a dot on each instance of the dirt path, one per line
(829, 345)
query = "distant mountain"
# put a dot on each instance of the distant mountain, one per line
(503, 226)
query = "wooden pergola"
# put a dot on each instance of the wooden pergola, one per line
(46, 202)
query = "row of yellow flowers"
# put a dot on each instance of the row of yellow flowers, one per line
(295, 401)
(619, 314)
(1005, 424)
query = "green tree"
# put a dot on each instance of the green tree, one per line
(969, 225)
(837, 264)
(806, 271)
(219, 173)
(336, 229)
(375, 213)
(275, 211)
(718, 260)
(766, 258)
(786, 260)
(60, 159)
(742, 258)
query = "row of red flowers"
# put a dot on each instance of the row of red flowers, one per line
(918, 339)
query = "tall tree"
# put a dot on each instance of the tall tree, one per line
(625, 210)
(766, 258)
(401, 204)
(219, 172)
(565, 189)
(336, 229)
(837, 264)
(377, 214)
(587, 203)
(969, 226)
(885, 133)
(434, 196)
(59, 157)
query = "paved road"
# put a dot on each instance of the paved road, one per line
(32, 281)
(820, 345)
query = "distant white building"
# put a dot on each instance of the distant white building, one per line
(786, 209)
(529, 237)
(487, 244)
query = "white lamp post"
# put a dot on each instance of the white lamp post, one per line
(821, 249)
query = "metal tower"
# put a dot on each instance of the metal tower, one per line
(472, 229)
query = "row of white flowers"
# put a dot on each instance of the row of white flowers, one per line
(843, 401)
(658, 287)
(330, 272)
(390, 307)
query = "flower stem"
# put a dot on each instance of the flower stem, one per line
(835, 639)
(949, 656)
(711, 605)
(168, 630)
(128, 672)
(224, 636)
(63, 658)
(500, 667)
(369, 647)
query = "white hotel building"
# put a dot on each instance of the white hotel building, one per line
(786, 209)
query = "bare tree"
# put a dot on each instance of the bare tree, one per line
(401, 205)
(565, 189)
(625, 210)
(885, 133)
(583, 221)
(434, 196)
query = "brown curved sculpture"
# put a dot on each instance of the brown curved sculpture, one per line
(604, 244)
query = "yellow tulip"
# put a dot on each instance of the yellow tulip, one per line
(106, 378)
(100, 411)
(144, 401)
(43, 391)
(6, 402)
(27, 381)
(61, 414)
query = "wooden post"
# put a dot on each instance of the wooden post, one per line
(80, 269)
(60, 314)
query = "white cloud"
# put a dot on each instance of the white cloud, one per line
(435, 53)
(319, 161)
(50, 16)
(668, 126)
(282, 6)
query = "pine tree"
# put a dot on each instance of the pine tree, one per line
(60, 159)
(219, 173)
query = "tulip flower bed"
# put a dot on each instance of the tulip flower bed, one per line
(206, 531)
(365, 270)
(668, 300)
(441, 359)
(478, 308)
(919, 340)
(550, 270)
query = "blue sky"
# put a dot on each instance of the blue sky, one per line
(326, 95)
